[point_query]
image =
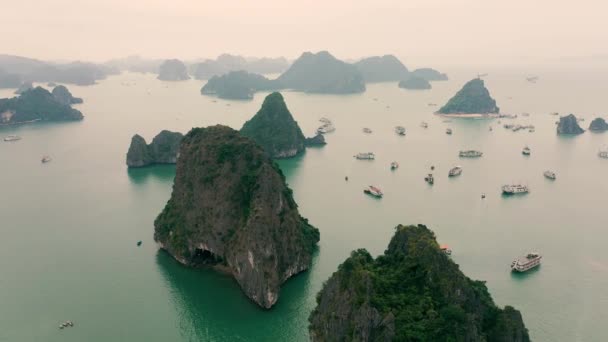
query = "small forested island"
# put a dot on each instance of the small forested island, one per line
(237, 85)
(63, 95)
(173, 70)
(382, 69)
(473, 98)
(415, 83)
(226, 63)
(317, 140)
(322, 73)
(598, 125)
(164, 149)
(568, 125)
(274, 129)
(414, 292)
(231, 209)
(429, 74)
(37, 104)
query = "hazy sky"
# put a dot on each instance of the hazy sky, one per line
(418, 31)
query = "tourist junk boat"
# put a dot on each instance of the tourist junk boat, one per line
(514, 189)
(470, 154)
(12, 138)
(526, 263)
(550, 175)
(365, 156)
(455, 171)
(394, 165)
(373, 191)
(430, 179)
(45, 159)
(400, 130)
(448, 131)
(367, 130)
(526, 151)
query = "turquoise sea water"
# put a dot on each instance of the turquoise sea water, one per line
(69, 228)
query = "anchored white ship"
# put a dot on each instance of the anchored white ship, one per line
(455, 171)
(365, 156)
(45, 159)
(373, 191)
(526, 263)
(470, 154)
(448, 131)
(513, 189)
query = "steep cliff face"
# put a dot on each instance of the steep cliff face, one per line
(382, 69)
(164, 149)
(322, 73)
(274, 128)
(414, 292)
(598, 125)
(173, 70)
(569, 125)
(36, 104)
(473, 98)
(63, 95)
(230, 208)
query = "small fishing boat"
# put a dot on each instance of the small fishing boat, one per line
(526, 151)
(430, 179)
(365, 156)
(448, 131)
(367, 130)
(470, 154)
(550, 175)
(603, 153)
(394, 165)
(514, 189)
(45, 159)
(139, 243)
(424, 124)
(373, 191)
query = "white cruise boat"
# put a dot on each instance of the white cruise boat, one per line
(526, 151)
(470, 154)
(400, 130)
(526, 263)
(513, 189)
(365, 156)
(455, 171)
(448, 131)
(373, 191)
(12, 138)
(550, 175)
(394, 165)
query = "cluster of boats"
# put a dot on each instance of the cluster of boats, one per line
(326, 126)
(515, 127)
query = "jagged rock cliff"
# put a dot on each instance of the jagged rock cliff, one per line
(598, 125)
(173, 70)
(63, 95)
(36, 104)
(414, 292)
(274, 129)
(238, 85)
(415, 83)
(473, 98)
(164, 149)
(231, 209)
(322, 73)
(569, 125)
(382, 69)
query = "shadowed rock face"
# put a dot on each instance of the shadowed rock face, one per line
(164, 149)
(231, 209)
(317, 140)
(473, 98)
(274, 129)
(173, 70)
(322, 73)
(63, 95)
(598, 125)
(414, 292)
(569, 125)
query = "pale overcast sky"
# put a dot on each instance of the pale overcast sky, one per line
(418, 31)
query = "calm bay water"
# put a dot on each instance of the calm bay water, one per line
(69, 228)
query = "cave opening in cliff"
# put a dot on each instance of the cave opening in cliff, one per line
(204, 257)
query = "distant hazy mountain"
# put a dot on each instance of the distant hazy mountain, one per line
(135, 64)
(173, 70)
(429, 74)
(322, 73)
(33, 70)
(226, 63)
(382, 69)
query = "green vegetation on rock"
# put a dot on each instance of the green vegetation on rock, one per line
(415, 83)
(414, 292)
(164, 149)
(231, 208)
(568, 125)
(239, 85)
(473, 98)
(274, 128)
(36, 104)
(322, 73)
